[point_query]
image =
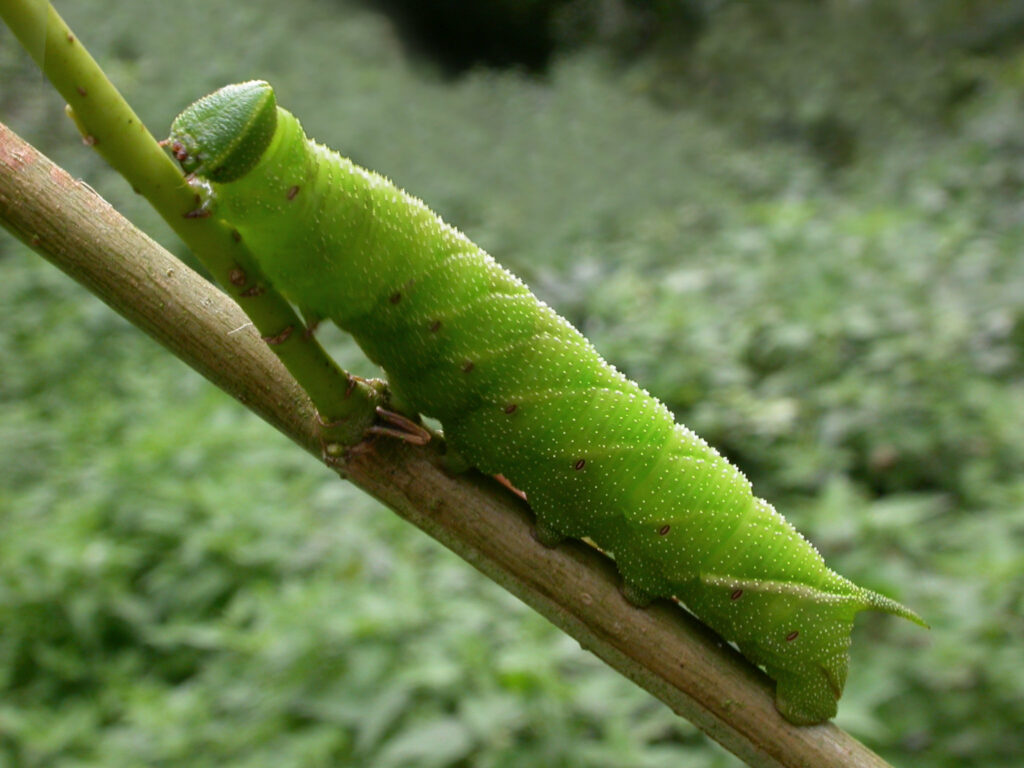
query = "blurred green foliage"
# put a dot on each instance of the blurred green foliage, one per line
(802, 228)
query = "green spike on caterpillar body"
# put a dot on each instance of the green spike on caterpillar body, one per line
(522, 393)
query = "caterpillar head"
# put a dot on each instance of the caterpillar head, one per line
(223, 135)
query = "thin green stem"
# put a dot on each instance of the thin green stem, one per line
(112, 128)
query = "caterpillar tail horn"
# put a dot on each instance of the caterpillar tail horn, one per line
(874, 601)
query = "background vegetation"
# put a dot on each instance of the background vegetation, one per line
(800, 224)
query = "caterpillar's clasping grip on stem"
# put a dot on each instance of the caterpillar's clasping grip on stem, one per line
(522, 394)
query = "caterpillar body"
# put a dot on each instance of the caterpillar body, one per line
(520, 392)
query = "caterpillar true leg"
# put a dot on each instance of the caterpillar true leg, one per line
(402, 428)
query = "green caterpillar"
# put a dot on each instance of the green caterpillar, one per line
(522, 393)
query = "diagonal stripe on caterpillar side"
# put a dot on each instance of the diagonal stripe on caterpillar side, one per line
(523, 394)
